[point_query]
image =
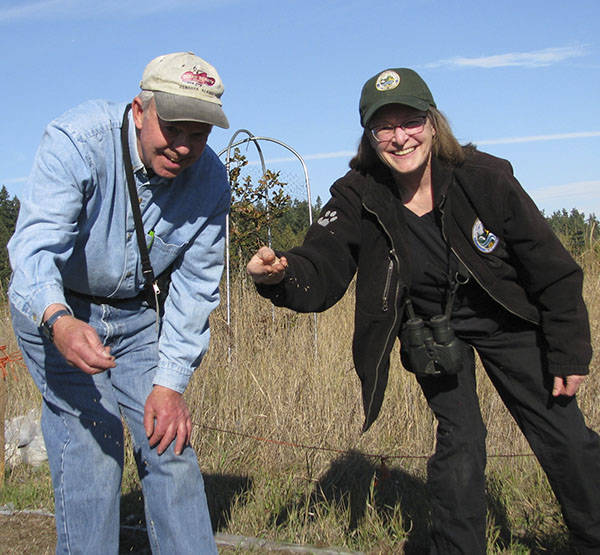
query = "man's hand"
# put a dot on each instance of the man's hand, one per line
(567, 385)
(166, 417)
(265, 267)
(79, 343)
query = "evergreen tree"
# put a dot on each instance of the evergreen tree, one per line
(9, 210)
(577, 233)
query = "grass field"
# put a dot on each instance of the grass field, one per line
(277, 414)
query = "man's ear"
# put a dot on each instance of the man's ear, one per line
(138, 112)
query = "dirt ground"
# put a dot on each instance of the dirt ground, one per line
(32, 534)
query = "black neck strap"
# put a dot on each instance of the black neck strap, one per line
(147, 270)
(460, 277)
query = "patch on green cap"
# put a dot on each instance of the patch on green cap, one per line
(387, 80)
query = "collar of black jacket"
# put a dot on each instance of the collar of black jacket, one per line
(381, 192)
(442, 175)
(381, 196)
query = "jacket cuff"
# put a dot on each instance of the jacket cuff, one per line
(275, 293)
(173, 376)
(568, 369)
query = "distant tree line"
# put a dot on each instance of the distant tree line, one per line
(9, 209)
(578, 233)
(262, 213)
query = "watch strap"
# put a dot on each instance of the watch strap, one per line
(47, 325)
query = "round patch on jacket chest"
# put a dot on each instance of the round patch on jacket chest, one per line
(484, 239)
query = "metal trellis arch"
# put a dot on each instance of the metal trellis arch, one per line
(251, 138)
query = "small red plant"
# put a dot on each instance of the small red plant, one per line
(6, 359)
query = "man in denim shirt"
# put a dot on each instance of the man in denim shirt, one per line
(96, 348)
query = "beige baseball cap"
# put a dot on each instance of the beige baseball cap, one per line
(186, 88)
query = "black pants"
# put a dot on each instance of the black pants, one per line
(567, 450)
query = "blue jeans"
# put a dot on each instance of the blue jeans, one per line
(82, 419)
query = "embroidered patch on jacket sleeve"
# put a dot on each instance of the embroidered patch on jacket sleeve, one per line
(327, 218)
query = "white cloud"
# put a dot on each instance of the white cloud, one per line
(571, 190)
(534, 138)
(318, 156)
(33, 9)
(87, 9)
(13, 181)
(536, 58)
(327, 155)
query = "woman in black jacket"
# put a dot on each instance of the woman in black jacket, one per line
(451, 255)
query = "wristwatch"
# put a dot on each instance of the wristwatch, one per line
(47, 325)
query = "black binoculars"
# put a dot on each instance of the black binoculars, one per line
(429, 347)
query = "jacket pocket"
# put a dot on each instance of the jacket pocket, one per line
(375, 288)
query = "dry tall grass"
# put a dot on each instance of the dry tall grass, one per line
(277, 429)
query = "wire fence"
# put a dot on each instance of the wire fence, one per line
(378, 456)
(8, 359)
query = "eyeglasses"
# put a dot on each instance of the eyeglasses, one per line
(385, 133)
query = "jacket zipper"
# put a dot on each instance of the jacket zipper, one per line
(393, 256)
(388, 282)
(441, 208)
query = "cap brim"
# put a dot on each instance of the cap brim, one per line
(416, 103)
(174, 107)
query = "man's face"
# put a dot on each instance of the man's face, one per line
(167, 147)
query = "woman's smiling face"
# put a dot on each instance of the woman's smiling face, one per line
(405, 153)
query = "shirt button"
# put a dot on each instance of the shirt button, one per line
(128, 274)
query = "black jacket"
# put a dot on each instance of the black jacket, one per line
(492, 226)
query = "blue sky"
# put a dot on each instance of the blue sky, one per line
(519, 78)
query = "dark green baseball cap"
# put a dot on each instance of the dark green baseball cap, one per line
(394, 86)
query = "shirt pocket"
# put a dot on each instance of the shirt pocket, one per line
(163, 253)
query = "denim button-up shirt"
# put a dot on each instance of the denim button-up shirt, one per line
(76, 231)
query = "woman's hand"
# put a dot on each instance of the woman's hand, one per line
(264, 267)
(567, 385)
